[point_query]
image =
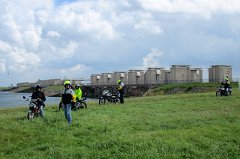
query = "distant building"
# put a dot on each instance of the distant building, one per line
(76, 81)
(167, 76)
(107, 79)
(95, 79)
(196, 75)
(180, 73)
(23, 84)
(123, 76)
(136, 77)
(154, 76)
(49, 82)
(217, 73)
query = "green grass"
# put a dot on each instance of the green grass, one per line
(3, 88)
(173, 88)
(198, 125)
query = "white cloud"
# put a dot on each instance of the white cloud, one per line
(152, 59)
(4, 47)
(74, 71)
(2, 66)
(149, 26)
(10, 30)
(84, 21)
(68, 51)
(32, 36)
(22, 61)
(93, 22)
(200, 7)
(53, 34)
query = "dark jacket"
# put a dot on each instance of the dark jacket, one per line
(39, 94)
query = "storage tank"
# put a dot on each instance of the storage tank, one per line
(107, 79)
(196, 75)
(95, 79)
(167, 76)
(217, 73)
(180, 73)
(136, 77)
(123, 76)
(154, 76)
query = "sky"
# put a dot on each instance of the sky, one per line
(58, 39)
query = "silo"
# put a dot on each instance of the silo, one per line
(180, 73)
(210, 75)
(95, 79)
(154, 76)
(196, 75)
(167, 76)
(136, 77)
(217, 73)
(123, 76)
(107, 78)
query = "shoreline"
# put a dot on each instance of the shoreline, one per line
(48, 93)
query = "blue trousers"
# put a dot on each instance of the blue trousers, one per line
(41, 111)
(67, 112)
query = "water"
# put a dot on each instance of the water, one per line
(8, 99)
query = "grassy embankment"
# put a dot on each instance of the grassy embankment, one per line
(198, 125)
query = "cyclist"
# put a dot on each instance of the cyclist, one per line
(40, 97)
(226, 84)
(78, 92)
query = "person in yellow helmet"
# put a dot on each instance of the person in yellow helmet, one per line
(68, 99)
(78, 92)
(121, 90)
(226, 84)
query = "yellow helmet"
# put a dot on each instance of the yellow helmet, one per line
(119, 81)
(67, 82)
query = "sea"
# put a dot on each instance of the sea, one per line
(9, 99)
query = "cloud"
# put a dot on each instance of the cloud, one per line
(149, 26)
(202, 7)
(17, 59)
(74, 71)
(2, 66)
(83, 21)
(69, 50)
(10, 30)
(53, 34)
(32, 36)
(4, 47)
(152, 59)
(22, 61)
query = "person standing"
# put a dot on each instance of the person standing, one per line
(40, 98)
(121, 90)
(68, 99)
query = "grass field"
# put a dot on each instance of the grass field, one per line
(198, 125)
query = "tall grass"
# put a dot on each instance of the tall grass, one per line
(197, 125)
